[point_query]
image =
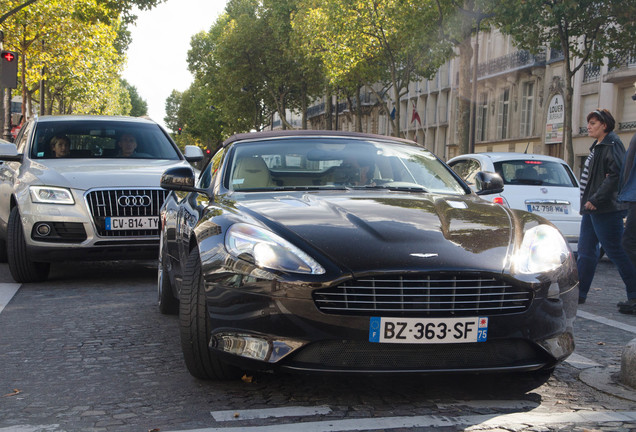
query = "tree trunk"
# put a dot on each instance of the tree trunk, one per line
(358, 111)
(328, 110)
(463, 122)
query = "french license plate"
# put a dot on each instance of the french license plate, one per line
(428, 331)
(549, 208)
(132, 223)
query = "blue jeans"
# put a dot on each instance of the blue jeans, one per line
(606, 229)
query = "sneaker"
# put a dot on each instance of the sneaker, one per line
(581, 300)
(627, 307)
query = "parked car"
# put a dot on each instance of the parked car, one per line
(540, 184)
(341, 252)
(90, 202)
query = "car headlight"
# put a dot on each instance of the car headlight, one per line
(543, 249)
(51, 195)
(268, 250)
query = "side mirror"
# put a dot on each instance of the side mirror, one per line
(9, 152)
(193, 153)
(487, 183)
(178, 179)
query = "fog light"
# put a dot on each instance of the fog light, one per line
(244, 346)
(43, 229)
(254, 347)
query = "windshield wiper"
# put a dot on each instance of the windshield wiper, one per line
(307, 188)
(394, 188)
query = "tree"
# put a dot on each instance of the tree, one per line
(585, 31)
(139, 107)
(390, 42)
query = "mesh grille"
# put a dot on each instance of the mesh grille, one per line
(373, 356)
(433, 295)
(124, 203)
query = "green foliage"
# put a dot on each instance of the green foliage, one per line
(368, 42)
(74, 47)
(138, 106)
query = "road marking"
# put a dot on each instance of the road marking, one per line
(580, 362)
(7, 291)
(233, 415)
(472, 422)
(606, 321)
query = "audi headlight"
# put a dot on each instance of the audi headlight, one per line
(543, 249)
(51, 195)
(268, 250)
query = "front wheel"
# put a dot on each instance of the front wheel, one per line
(194, 326)
(168, 304)
(22, 268)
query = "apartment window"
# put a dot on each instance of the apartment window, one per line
(504, 114)
(527, 110)
(482, 117)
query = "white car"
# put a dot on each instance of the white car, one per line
(98, 199)
(540, 184)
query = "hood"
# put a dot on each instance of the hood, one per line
(392, 231)
(85, 174)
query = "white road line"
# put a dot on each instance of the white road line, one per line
(7, 291)
(250, 414)
(606, 321)
(580, 362)
(472, 422)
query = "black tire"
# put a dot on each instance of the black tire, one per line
(22, 268)
(194, 325)
(3, 251)
(167, 302)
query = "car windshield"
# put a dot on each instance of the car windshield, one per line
(95, 139)
(535, 172)
(317, 163)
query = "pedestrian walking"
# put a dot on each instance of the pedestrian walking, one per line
(602, 213)
(628, 195)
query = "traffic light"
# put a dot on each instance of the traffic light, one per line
(8, 69)
(208, 152)
(179, 131)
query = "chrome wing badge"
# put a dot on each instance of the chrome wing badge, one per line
(424, 255)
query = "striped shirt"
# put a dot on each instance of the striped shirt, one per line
(586, 171)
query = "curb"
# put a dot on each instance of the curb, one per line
(606, 379)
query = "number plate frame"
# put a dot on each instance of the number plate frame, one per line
(131, 223)
(549, 208)
(428, 330)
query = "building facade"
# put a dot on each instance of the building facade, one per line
(519, 104)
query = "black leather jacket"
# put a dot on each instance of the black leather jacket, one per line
(604, 176)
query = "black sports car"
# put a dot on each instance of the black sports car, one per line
(325, 251)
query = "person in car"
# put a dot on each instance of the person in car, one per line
(127, 145)
(60, 146)
(602, 213)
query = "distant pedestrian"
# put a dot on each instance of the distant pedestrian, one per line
(602, 221)
(628, 195)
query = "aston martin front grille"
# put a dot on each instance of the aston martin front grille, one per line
(434, 295)
(124, 203)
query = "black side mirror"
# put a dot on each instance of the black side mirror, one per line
(488, 183)
(179, 179)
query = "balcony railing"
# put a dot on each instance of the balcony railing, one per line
(627, 125)
(517, 60)
(622, 62)
(591, 73)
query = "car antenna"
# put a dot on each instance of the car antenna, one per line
(526, 150)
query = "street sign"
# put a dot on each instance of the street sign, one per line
(8, 69)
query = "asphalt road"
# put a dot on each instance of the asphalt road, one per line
(89, 351)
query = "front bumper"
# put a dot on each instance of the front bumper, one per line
(257, 331)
